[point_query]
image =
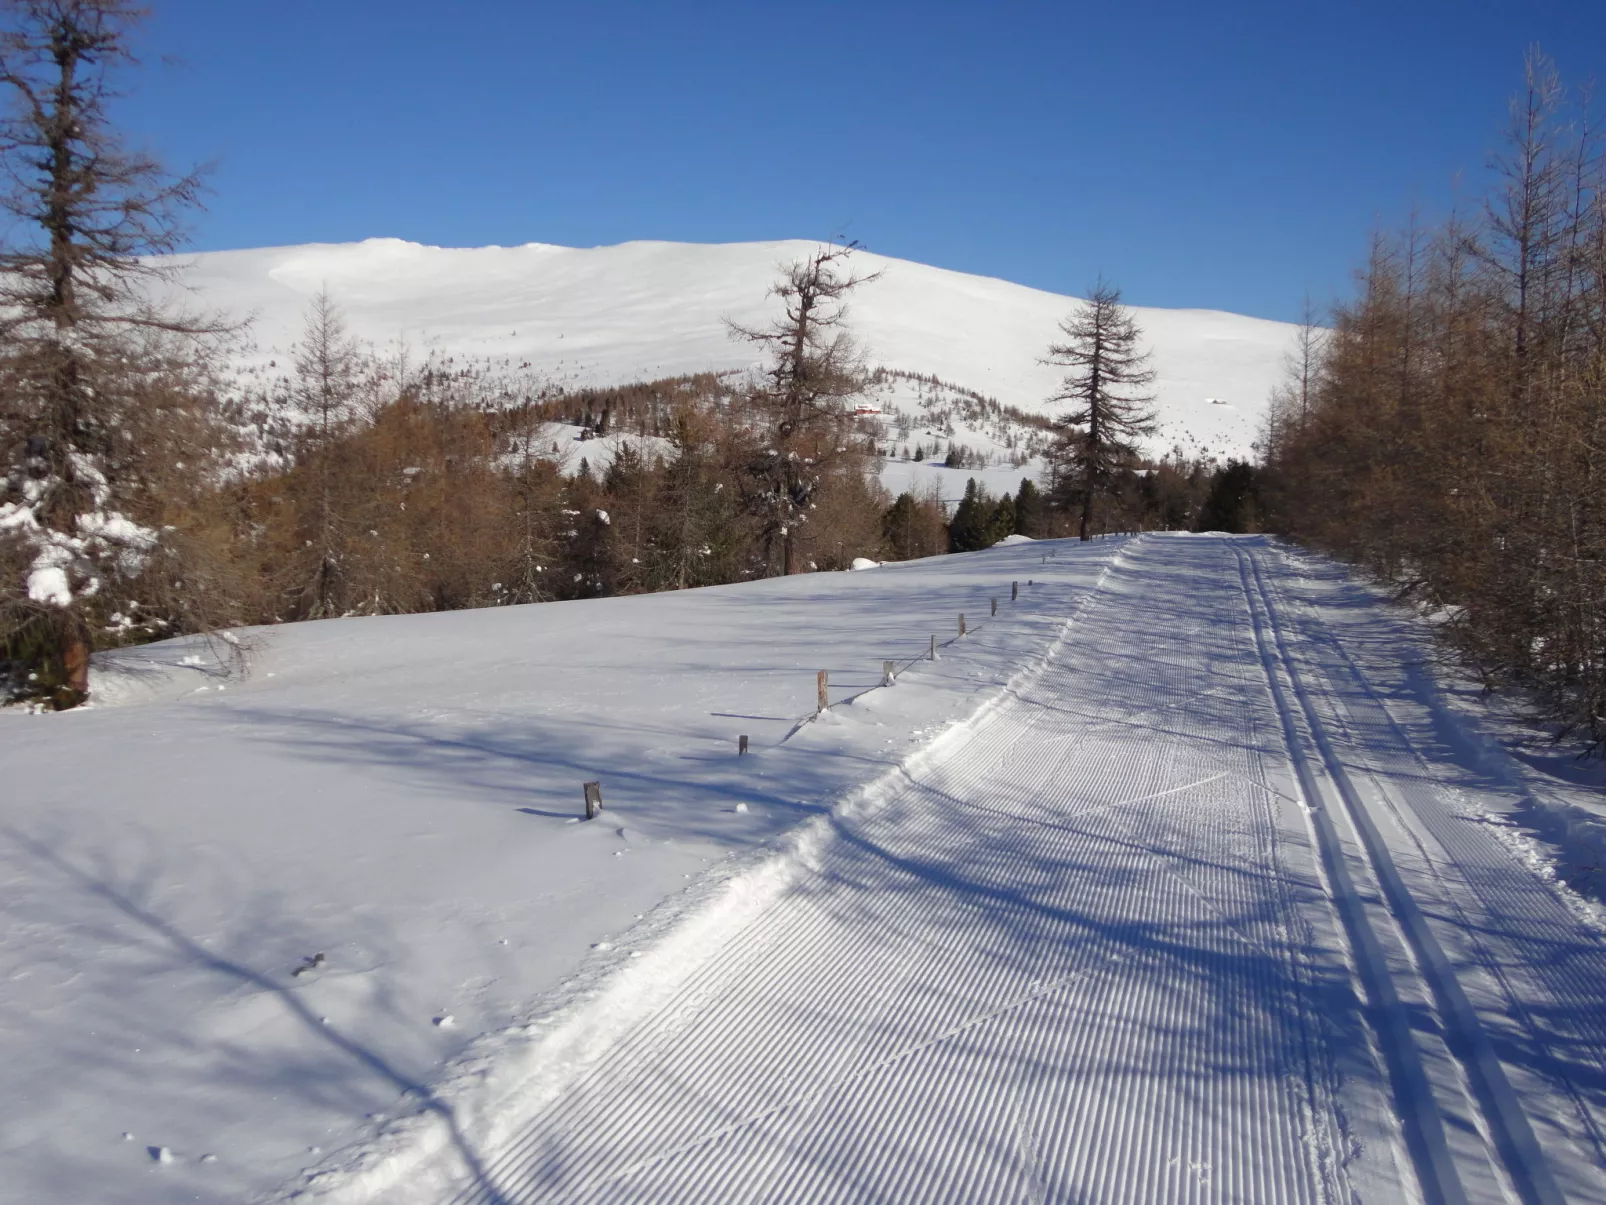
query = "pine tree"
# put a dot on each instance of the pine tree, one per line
(1106, 376)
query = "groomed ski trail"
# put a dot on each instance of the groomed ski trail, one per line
(1119, 942)
(1517, 981)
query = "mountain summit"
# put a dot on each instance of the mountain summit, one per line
(641, 310)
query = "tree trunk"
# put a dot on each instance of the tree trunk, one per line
(74, 651)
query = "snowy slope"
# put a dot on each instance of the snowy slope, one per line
(1205, 897)
(397, 794)
(1181, 918)
(650, 309)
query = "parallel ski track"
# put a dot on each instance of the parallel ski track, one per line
(1501, 1113)
(1070, 962)
(1546, 1014)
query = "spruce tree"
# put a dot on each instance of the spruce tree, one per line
(968, 529)
(1001, 522)
(1029, 509)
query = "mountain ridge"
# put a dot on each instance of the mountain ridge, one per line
(652, 308)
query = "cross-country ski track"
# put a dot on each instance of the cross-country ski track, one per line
(1203, 907)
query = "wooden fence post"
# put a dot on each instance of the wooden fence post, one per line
(889, 672)
(593, 799)
(1014, 591)
(821, 681)
(932, 656)
(741, 745)
(995, 607)
(961, 625)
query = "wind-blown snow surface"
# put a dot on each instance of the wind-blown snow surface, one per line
(1213, 901)
(642, 310)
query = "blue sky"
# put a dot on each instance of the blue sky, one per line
(1230, 156)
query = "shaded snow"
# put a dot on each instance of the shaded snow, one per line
(401, 795)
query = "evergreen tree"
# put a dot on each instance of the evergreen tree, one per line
(1001, 523)
(698, 536)
(968, 530)
(1233, 503)
(914, 527)
(1030, 517)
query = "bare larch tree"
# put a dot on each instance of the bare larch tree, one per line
(1104, 382)
(330, 371)
(82, 349)
(814, 372)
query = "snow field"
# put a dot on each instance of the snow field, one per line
(1058, 963)
(1178, 881)
(398, 794)
(1147, 928)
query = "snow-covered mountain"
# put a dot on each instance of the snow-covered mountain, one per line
(607, 315)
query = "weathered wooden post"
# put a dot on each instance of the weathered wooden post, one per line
(995, 608)
(1014, 591)
(961, 625)
(593, 799)
(741, 745)
(889, 672)
(932, 656)
(823, 701)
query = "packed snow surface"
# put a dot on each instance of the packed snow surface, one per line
(1176, 881)
(642, 310)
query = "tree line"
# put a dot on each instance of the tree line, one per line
(1449, 430)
